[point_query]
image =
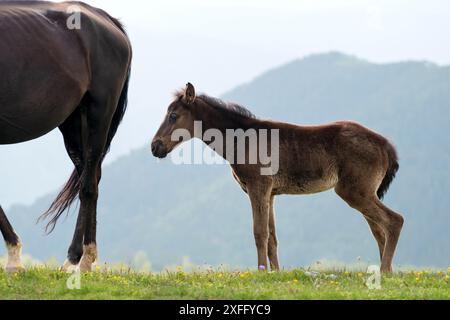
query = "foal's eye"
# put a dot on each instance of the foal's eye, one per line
(173, 117)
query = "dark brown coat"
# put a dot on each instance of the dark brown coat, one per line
(75, 79)
(355, 161)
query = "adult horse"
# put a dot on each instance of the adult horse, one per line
(67, 66)
(357, 162)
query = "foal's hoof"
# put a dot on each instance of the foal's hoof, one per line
(386, 270)
(14, 270)
(262, 269)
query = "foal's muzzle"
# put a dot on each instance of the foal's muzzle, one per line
(159, 150)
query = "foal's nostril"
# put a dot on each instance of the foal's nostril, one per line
(157, 148)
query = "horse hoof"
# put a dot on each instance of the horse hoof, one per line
(69, 267)
(86, 268)
(14, 270)
(89, 258)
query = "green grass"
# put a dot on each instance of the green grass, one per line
(42, 283)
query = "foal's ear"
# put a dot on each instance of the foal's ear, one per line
(189, 94)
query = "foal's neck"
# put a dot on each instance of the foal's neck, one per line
(221, 119)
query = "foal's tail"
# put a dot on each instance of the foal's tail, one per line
(72, 188)
(391, 172)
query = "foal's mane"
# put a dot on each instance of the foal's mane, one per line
(218, 104)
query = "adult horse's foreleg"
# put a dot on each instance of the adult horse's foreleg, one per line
(273, 241)
(260, 198)
(13, 244)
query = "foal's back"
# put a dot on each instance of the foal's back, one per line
(314, 159)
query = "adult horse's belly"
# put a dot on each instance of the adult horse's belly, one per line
(27, 114)
(43, 76)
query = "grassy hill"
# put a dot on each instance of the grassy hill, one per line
(44, 283)
(169, 212)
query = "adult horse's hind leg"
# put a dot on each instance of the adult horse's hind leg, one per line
(72, 131)
(273, 241)
(85, 135)
(99, 115)
(13, 244)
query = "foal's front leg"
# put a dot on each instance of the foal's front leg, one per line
(273, 240)
(260, 198)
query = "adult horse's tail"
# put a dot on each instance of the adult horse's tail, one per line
(392, 171)
(72, 188)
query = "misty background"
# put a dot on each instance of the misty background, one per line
(224, 47)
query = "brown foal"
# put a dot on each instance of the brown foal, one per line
(357, 162)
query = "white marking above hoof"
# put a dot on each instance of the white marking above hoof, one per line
(14, 264)
(89, 258)
(68, 267)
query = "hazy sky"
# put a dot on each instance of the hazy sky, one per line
(220, 44)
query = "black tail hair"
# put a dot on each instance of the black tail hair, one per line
(71, 190)
(394, 166)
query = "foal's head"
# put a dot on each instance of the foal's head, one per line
(178, 117)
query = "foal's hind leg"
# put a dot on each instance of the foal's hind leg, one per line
(379, 235)
(13, 244)
(371, 207)
(394, 225)
(273, 241)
